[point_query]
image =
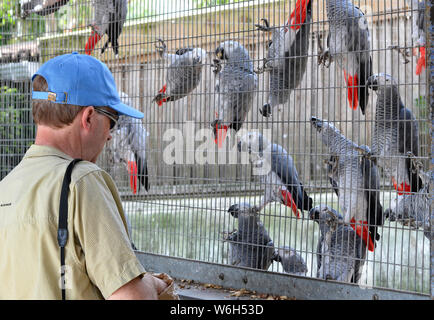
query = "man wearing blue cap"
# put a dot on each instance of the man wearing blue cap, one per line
(75, 104)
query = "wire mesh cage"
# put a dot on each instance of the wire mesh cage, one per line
(290, 138)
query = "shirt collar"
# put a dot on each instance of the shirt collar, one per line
(43, 151)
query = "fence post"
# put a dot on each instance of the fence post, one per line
(430, 70)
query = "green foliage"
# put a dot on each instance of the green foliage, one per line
(16, 128)
(8, 8)
(139, 9)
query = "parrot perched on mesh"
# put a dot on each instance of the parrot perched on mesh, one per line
(414, 209)
(109, 18)
(349, 44)
(341, 252)
(250, 245)
(183, 74)
(235, 88)
(355, 179)
(281, 180)
(128, 146)
(40, 7)
(419, 35)
(396, 134)
(287, 55)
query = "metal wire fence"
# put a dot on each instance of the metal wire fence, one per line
(251, 152)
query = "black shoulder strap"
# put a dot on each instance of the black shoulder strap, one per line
(62, 231)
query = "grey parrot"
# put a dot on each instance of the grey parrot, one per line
(291, 261)
(40, 7)
(287, 55)
(183, 74)
(250, 245)
(235, 88)
(414, 210)
(128, 146)
(419, 35)
(355, 179)
(349, 44)
(396, 134)
(109, 18)
(340, 251)
(281, 181)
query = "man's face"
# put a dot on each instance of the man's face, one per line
(100, 131)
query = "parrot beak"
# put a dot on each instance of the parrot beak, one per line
(372, 82)
(220, 53)
(316, 122)
(234, 210)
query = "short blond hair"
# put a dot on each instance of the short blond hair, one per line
(51, 114)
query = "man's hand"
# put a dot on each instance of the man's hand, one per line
(148, 287)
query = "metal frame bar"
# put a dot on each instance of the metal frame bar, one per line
(267, 282)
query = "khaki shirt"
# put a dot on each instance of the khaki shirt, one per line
(99, 258)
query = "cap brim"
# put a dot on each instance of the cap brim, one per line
(123, 109)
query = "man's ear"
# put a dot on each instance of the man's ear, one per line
(86, 117)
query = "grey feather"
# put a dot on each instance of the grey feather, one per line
(418, 21)
(355, 177)
(129, 144)
(280, 174)
(349, 43)
(286, 62)
(340, 252)
(40, 7)
(292, 262)
(396, 132)
(250, 245)
(184, 72)
(235, 86)
(413, 210)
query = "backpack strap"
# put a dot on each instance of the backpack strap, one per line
(62, 231)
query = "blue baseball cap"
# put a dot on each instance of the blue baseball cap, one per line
(81, 80)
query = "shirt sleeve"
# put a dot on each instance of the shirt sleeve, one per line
(100, 226)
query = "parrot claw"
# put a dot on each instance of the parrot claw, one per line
(162, 48)
(217, 66)
(266, 111)
(265, 27)
(417, 164)
(265, 67)
(366, 153)
(256, 209)
(229, 236)
(333, 162)
(405, 53)
(259, 70)
(94, 28)
(324, 56)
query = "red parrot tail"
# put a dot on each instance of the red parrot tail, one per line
(361, 228)
(289, 202)
(221, 133)
(421, 63)
(161, 101)
(403, 188)
(132, 169)
(298, 16)
(353, 90)
(91, 42)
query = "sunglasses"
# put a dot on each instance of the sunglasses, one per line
(113, 117)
